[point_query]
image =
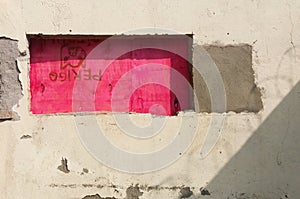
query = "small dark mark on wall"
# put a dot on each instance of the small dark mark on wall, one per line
(84, 170)
(63, 186)
(42, 87)
(99, 186)
(97, 196)
(110, 87)
(25, 137)
(116, 190)
(87, 185)
(24, 53)
(204, 191)
(64, 166)
(185, 192)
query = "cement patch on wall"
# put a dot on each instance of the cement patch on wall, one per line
(235, 65)
(10, 87)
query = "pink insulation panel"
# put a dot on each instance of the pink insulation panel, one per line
(64, 78)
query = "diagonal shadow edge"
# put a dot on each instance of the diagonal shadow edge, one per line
(268, 165)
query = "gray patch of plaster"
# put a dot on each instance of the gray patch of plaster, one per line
(235, 65)
(10, 86)
(133, 192)
(64, 166)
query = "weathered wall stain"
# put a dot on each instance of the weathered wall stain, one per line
(132, 192)
(135, 192)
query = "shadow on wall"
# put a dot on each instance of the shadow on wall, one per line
(268, 165)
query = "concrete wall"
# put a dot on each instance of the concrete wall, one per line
(257, 153)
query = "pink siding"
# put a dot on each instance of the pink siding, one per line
(56, 64)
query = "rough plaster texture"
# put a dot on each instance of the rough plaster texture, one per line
(257, 155)
(235, 66)
(10, 86)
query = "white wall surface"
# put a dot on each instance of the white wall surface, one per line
(28, 167)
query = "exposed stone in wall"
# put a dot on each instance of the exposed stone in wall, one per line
(235, 65)
(10, 87)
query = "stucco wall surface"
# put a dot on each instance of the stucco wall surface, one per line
(256, 155)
